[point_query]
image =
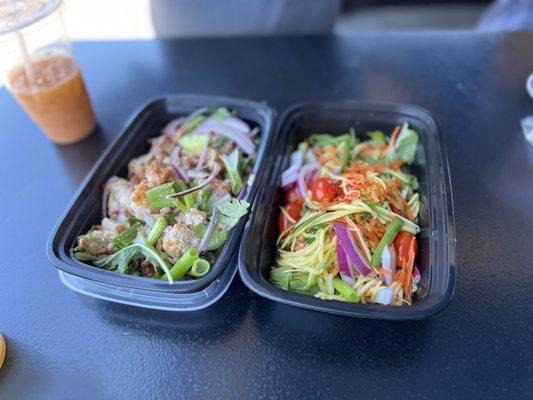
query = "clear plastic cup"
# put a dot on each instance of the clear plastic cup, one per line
(40, 70)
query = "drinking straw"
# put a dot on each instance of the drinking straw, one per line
(22, 44)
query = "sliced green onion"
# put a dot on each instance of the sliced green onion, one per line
(183, 265)
(186, 202)
(200, 268)
(158, 196)
(390, 234)
(346, 153)
(203, 202)
(157, 230)
(345, 290)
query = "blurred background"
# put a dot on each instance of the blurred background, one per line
(146, 19)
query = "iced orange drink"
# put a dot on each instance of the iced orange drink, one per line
(52, 92)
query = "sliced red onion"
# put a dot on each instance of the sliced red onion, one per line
(290, 175)
(388, 263)
(237, 123)
(243, 192)
(192, 173)
(311, 177)
(209, 231)
(193, 115)
(311, 156)
(416, 275)
(201, 160)
(384, 296)
(171, 128)
(302, 174)
(297, 158)
(176, 163)
(342, 259)
(105, 198)
(198, 187)
(224, 199)
(254, 132)
(345, 266)
(395, 209)
(150, 221)
(235, 135)
(348, 280)
(346, 240)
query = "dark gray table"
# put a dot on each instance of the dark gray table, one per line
(62, 345)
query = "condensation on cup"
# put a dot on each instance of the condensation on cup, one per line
(40, 70)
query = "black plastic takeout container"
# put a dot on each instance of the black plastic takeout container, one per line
(436, 259)
(85, 209)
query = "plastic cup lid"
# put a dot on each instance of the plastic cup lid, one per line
(18, 14)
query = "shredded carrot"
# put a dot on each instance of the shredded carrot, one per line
(408, 270)
(408, 213)
(350, 223)
(396, 165)
(393, 138)
(330, 155)
(357, 178)
(375, 197)
(398, 277)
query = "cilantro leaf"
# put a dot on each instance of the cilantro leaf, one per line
(231, 211)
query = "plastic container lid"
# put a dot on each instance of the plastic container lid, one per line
(155, 300)
(18, 14)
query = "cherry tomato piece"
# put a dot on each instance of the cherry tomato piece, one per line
(292, 195)
(401, 244)
(294, 209)
(324, 190)
(283, 222)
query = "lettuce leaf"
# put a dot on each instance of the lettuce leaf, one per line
(286, 279)
(405, 146)
(377, 137)
(194, 143)
(325, 139)
(121, 260)
(191, 126)
(280, 277)
(221, 113)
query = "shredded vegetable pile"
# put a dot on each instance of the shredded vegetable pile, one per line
(348, 224)
(174, 212)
